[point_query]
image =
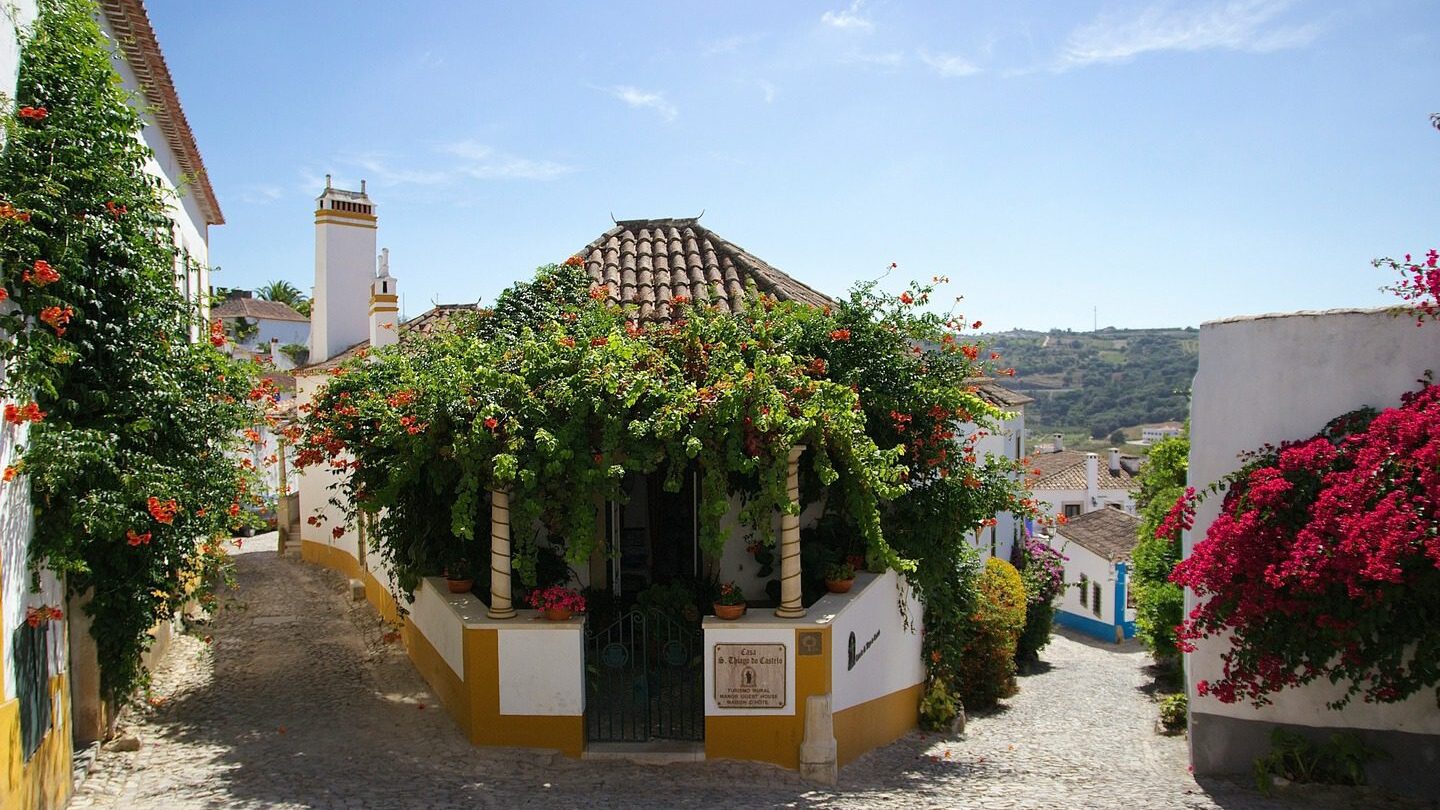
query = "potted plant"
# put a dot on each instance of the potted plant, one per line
(557, 602)
(458, 577)
(839, 577)
(730, 602)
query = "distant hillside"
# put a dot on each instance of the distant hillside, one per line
(1095, 383)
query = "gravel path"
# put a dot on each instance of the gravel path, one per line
(299, 701)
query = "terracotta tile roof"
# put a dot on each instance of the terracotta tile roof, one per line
(1066, 470)
(647, 262)
(131, 25)
(999, 396)
(422, 324)
(257, 308)
(1109, 532)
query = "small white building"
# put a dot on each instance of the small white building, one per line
(1097, 599)
(259, 327)
(1072, 483)
(1006, 441)
(1149, 434)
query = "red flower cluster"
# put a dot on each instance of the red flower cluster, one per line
(162, 511)
(135, 539)
(20, 414)
(57, 318)
(907, 298)
(840, 334)
(1419, 283)
(34, 113)
(41, 274)
(401, 399)
(574, 261)
(217, 333)
(8, 211)
(492, 424)
(1324, 561)
(116, 210)
(599, 341)
(34, 616)
(10, 473)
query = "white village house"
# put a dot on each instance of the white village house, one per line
(1073, 483)
(846, 671)
(50, 701)
(261, 328)
(1097, 597)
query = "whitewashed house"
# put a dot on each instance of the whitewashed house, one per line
(1150, 434)
(60, 672)
(1072, 483)
(1097, 598)
(261, 328)
(1007, 441)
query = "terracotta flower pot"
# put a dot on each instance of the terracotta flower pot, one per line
(839, 585)
(459, 585)
(558, 614)
(729, 612)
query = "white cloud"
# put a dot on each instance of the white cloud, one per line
(638, 98)
(849, 18)
(948, 65)
(485, 163)
(770, 91)
(1238, 25)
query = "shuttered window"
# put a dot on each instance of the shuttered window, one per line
(32, 684)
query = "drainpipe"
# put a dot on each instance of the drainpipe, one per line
(790, 604)
(500, 606)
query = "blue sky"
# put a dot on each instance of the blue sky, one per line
(1168, 163)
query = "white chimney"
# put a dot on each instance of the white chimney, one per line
(1114, 461)
(345, 224)
(1092, 481)
(384, 305)
(1059, 442)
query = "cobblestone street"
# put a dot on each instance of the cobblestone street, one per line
(298, 701)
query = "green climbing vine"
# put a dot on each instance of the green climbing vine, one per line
(125, 427)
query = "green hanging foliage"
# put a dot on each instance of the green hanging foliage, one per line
(126, 427)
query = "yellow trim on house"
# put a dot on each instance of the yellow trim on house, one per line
(391, 297)
(333, 212)
(773, 738)
(44, 782)
(876, 722)
(473, 701)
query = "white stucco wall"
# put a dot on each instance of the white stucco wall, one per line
(542, 667)
(287, 332)
(1052, 501)
(893, 661)
(1083, 562)
(1274, 378)
(344, 267)
(1008, 442)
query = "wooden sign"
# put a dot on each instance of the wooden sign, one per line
(750, 676)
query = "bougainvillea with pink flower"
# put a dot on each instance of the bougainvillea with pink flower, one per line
(1324, 562)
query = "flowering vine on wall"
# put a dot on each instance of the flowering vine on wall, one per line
(125, 425)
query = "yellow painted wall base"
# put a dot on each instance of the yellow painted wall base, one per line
(876, 722)
(473, 702)
(43, 783)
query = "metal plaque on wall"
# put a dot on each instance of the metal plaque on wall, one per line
(750, 676)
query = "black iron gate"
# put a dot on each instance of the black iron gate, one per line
(644, 680)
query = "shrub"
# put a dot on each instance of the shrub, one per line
(1043, 576)
(938, 707)
(987, 667)
(1174, 712)
(1341, 760)
(1159, 603)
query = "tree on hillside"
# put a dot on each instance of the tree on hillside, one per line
(1160, 603)
(286, 293)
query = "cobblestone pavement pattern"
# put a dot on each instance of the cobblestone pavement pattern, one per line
(299, 701)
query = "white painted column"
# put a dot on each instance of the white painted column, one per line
(790, 604)
(500, 606)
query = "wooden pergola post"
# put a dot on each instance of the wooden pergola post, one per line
(790, 605)
(500, 606)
